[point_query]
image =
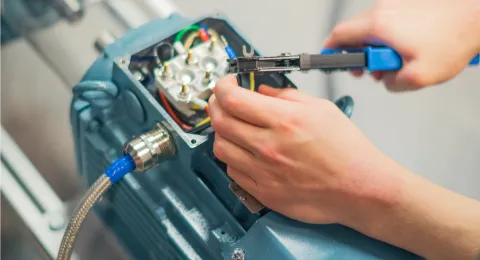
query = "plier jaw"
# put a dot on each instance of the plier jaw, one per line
(260, 65)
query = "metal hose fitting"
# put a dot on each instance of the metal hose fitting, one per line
(151, 148)
(142, 153)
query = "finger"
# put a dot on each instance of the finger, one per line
(234, 155)
(290, 94)
(414, 75)
(237, 131)
(377, 75)
(357, 73)
(229, 79)
(244, 180)
(248, 106)
(395, 84)
(351, 33)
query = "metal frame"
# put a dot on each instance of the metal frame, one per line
(32, 197)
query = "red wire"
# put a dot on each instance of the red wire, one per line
(172, 113)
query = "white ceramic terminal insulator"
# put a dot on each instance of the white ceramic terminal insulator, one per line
(199, 102)
(178, 46)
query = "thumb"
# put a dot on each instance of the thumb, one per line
(351, 33)
(290, 94)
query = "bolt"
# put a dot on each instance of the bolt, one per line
(185, 89)
(166, 71)
(238, 254)
(184, 92)
(190, 58)
(166, 67)
(242, 198)
(56, 221)
(208, 78)
(138, 75)
(208, 74)
(213, 43)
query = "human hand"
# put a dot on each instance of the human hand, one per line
(436, 38)
(298, 155)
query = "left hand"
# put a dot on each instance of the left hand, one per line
(298, 155)
(302, 157)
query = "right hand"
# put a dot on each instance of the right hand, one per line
(436, 38)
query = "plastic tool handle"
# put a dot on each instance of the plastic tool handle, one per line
(387, 59)
(384, 58)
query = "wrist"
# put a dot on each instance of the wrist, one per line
(384, 184)
(423, 218)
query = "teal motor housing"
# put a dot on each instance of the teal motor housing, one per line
(184, 209)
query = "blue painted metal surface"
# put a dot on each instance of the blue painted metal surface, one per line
(183, 209)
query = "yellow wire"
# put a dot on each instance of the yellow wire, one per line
(204, 121)
(213, 34)
(189, 40)
(252, 81)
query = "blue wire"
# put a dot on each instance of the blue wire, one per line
(231, 53)
(120, 168)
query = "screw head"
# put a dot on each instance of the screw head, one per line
(138, 76)
(238, 254)
(56, 221)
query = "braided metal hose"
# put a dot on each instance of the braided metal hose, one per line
(93, 194)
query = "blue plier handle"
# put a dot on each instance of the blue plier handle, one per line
(382, 58)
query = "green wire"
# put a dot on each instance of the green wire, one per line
(179, 36)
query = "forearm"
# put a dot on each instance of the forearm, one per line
(425, 219)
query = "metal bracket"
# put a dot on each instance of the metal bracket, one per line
(32, 197)
(248, 200)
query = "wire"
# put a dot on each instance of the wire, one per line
(172, 113)
(252, 81)
(189, 40)
(213, 34)
(202, 125)
(204, 121)
(115, 172)
(179, 36)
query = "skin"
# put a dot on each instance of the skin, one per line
(302, 157)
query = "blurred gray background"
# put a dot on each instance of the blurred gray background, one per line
(434, 132)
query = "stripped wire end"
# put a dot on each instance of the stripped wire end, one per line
(224, 40)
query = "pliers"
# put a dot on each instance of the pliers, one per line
(372, 58)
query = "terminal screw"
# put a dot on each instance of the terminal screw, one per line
(190, 58)
(213, 43)
(208, 75)
(166, 71)
(208, 78)
(184, 92)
